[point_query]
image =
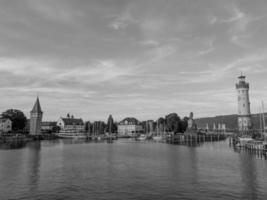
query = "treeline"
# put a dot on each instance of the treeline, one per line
(174, 123)
(170, 123)
(17, 118)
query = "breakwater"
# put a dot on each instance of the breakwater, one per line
(194, 138)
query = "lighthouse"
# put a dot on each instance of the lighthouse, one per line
(244, 115)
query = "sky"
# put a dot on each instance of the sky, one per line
(131, 58)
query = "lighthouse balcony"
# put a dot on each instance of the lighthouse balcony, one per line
(242, 85)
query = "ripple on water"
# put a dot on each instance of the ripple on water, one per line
(130, 170)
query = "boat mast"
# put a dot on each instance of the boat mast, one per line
(157, 127)
(263, 117)
(260, 119)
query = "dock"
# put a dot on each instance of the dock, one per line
(194, 139)
(251, 145)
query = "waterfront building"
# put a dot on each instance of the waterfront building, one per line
(48, 126)
(5, 125)
(129, 127)
(244, 115)
(36, 118)
(71, 125)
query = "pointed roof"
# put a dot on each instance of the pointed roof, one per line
(37, 107)
(72, 121)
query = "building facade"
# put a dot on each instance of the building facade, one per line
(129, 127)
(71, 125)
(36, 118)
(48, 126)
(244, 114)
(5, 125)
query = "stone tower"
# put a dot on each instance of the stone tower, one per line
(36, 119)
(244, 115)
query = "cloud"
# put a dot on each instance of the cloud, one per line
(208, 47)
(122, 21)
(212, 19)
(54, 11)
(161, 52)
(142, 58)
(149, 42)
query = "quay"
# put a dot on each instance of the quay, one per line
(194, 138)
(16, 138)
(249, 144)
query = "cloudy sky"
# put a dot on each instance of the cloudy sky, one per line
(141, 58)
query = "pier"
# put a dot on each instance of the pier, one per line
(194, 139)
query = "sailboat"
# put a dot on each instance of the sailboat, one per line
(158, 136)
(243, 140)
(142, 137)
(263, 128)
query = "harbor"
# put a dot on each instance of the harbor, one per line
(79, 169)
(133, 100)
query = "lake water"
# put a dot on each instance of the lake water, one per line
(125, 169)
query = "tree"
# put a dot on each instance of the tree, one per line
(160, 124)
(110, 125)
(17, 117)
(161, 121)
(87, 126)
(183, 125)
(173, 123)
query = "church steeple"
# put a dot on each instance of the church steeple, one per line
(37, 107)
(36, 118)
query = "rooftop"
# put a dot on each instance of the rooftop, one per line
(37, 107)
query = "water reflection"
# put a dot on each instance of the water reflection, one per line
(13, 145)
(193, 159)
(248, 176)
(256, 154)
(34, 164)
(59, 169)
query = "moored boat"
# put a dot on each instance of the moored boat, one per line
(157, 138)
(71, 135)
(142, 137)
(242, 141)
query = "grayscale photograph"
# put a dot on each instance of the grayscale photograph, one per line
(133, 99)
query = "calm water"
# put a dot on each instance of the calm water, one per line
(66, 169)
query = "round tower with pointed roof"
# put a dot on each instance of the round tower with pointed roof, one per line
(36, 118)
(244, 115)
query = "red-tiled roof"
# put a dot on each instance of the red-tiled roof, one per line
(72, 121)
(130, 120)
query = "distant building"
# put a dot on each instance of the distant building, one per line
(71, 125)
(36, 119)
(129, 127)
(48, 126)
(5, 125)
(244, 115)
